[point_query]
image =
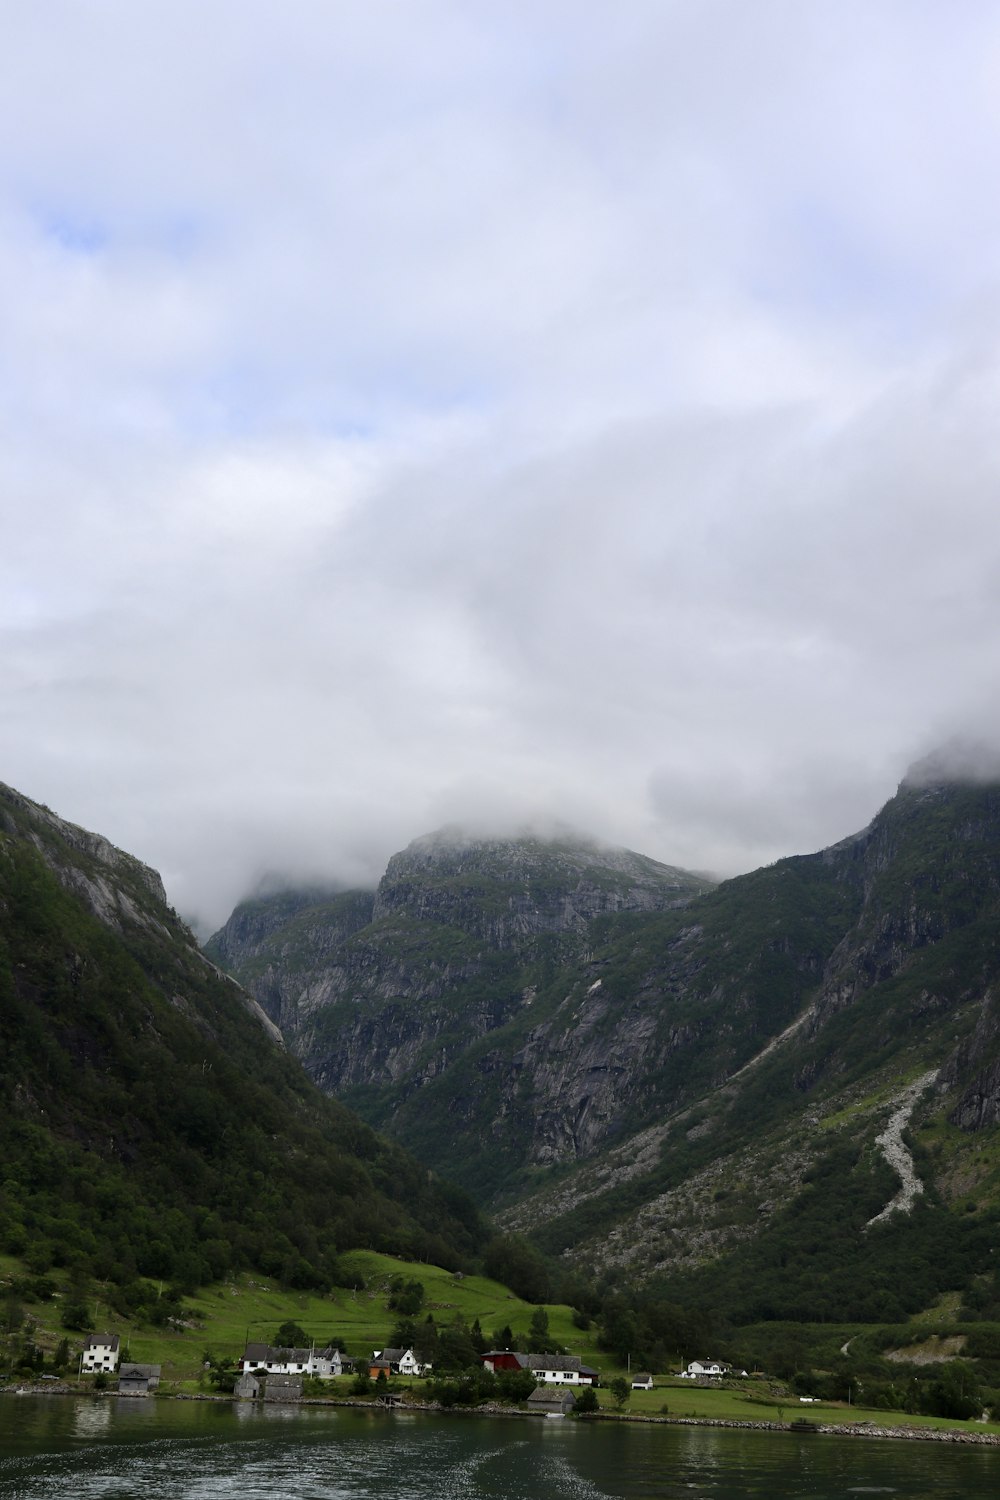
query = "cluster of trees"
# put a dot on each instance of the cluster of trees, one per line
(20, 1354)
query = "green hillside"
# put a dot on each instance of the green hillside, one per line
(153, 1132)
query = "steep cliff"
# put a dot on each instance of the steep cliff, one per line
(384, 995)
(653, 1080)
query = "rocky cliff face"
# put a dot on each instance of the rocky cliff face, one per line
(116, 886)
(514, 1010)
(384, 995)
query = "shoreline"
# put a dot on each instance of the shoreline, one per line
(819, 1429)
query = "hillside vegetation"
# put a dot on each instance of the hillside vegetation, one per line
(153, 1130)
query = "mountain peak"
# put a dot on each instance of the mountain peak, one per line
(959, 762)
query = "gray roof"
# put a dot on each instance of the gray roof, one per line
(279, 1386)
(278, 1354)
(139, 1372)
(547, 1397)
(565, 1362)
(95, 1340)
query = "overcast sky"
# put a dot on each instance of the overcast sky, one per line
(447, 410)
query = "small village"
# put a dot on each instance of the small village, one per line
(277, 1373)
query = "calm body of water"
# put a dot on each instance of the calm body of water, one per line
(143, 1450)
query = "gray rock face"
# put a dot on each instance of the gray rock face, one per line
(514, 1007)
(115, 885)
(384, 997)
(508, 889)
(120, 891)
(974, 1067)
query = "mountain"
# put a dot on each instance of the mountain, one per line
(410, 1002)
(153, 1125)
(781, 1096)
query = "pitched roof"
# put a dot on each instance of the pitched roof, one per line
(547, 1396)
(565, 1362)
(139, 1372)
(99, 1340)
(279, 1354)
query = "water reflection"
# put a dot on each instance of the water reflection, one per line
(149, 1450)
(92, 1419)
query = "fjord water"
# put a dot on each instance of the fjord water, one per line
(115, 1449)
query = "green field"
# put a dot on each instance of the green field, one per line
(754, 1401)
(222, 1318)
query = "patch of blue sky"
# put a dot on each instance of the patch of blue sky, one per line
(821, 265)
(352, 403)
(81, 236)
(178, 237)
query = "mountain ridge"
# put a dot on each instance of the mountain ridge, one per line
(660, 1094)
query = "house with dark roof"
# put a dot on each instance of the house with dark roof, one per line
(546, 1402)
(137, 1380)
(270, 1359)
(395, 1362)
(100, 1353)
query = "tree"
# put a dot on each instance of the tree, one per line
(76, 1315)
(221, 1372)
(620, 1391)
(406, 1297)
(13, 1313)
(75, 1310)
(585, 1400)
(511, 1260)
(456, 1350)
(515, 1385)
(291, 1336)
(425, 1341)
(538, 1339)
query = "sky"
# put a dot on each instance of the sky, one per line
(427, 411)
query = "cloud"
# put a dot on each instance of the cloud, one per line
(499, 413)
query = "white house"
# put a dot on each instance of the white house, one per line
(397, 1362)
(701, 1369)
(268, 1359)
(642, 1382)
(100, 1353)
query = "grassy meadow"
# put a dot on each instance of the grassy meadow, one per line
(221, 1318)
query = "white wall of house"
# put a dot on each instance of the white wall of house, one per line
(324, 1367)
(100, 1357)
